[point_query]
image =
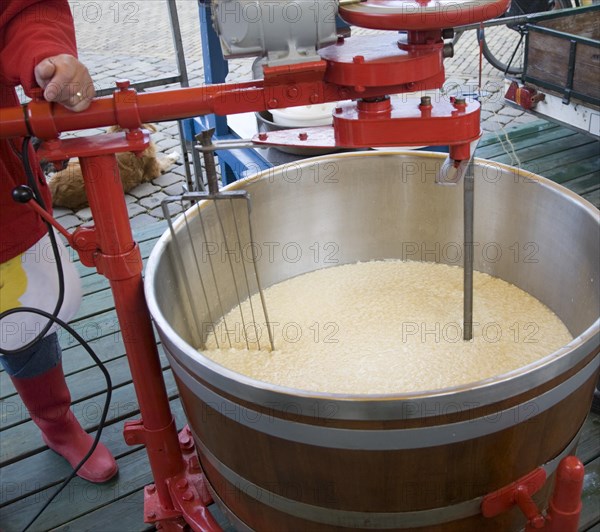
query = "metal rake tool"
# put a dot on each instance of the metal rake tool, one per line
(214, 248)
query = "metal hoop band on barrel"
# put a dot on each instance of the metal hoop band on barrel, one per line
(330, 516)
(392, 439)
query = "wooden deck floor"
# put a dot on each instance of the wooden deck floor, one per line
(30, 472)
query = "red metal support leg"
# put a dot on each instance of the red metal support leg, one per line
(118, 258)
(179, 496)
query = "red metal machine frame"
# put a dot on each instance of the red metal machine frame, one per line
(385, 66)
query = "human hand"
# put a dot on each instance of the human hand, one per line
(65, 80)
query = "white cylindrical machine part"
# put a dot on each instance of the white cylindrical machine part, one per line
(283, 32)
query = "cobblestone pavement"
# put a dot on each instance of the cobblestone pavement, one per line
(132, 39)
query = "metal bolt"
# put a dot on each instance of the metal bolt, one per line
(358, 59)
(314, 98)
(263, 136)
(150, 489)
(188, 496)
(182, 484)
(123, 84)
(426, 101)
(272, 103)
(293, 92)
(134, 134)
(185, 441)
(303, 136)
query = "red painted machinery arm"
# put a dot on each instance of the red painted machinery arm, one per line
(129, 109)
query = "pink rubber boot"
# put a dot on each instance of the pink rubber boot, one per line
(48, 400)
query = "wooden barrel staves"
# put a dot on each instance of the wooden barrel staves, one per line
(296, 465)
(282, 459)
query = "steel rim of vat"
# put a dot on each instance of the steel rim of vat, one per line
(379, 406)
(385, 439)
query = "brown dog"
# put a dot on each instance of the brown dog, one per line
(67, 185)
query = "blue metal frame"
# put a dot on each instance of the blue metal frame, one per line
(234, 163)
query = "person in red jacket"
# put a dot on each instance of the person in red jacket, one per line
(38, 49)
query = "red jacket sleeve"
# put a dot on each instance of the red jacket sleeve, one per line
(30, 31)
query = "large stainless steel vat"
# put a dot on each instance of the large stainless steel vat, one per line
(287, 459)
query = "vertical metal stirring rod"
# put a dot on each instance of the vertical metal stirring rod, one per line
(468, 206)
(205, 138)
